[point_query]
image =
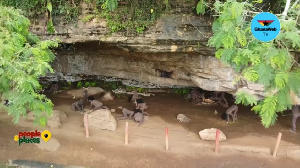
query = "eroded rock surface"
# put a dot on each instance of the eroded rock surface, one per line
(172, 52)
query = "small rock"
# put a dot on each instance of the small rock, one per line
(112, 110)
(210, 134)
(107, 96)
(182, 118)
(216, 112)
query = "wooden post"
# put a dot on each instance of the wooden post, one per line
(277, 144)
(86, 125)
(217, 141)
(167, 138)
(126, 134)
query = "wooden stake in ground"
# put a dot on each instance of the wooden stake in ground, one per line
(217, 141)
(126, 133)
(167, 138)
(277, 144)
(86, 123)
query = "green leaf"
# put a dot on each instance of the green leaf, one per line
(294, 37)
(49, 6)
(268, 113)
(255, 59)
(281, 79)
(284, 100)
(241, 37)
(43, 121)
(228, 40)
(219, 53)
(216, 26)
(250, 74)
(266, 75)
(245, 98)
(227, 26)
(294, 80)
(50, 27)
(200, 7)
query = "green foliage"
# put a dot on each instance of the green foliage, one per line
(133, 17)
(269, 64)
(50, 27)
(88, 18)
(79, 84)
(245, 98)
(24, 58)
(132, 88)
(201, 7)
(110, 5)
(33, 8)
(181, 91)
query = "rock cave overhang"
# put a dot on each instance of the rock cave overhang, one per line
(164, 67)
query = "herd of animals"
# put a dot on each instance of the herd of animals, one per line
(139, 111)
(137, 114)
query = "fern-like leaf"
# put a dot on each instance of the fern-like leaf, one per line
(245, 99)
(266, 74)
(281, 79)
(268, 113)
(241, 37)
(250, 74)
(228, 40)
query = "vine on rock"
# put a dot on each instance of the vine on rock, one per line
(268, 63)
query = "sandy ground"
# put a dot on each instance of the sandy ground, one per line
(146, 146)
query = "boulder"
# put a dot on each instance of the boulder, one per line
(107, 96)
(102, 119)
(182, 118)
(210, 134)
(55, 120)
(92, 91)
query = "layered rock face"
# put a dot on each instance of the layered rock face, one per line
(171, 52)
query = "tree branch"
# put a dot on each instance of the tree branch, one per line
(294, 4)
(287, 5)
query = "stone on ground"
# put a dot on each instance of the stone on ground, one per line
(55, 120)
(210, 134)
(182, 118)
(107, 96)
(92, 91)
(102, 119)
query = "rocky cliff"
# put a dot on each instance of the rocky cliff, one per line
(171, 52)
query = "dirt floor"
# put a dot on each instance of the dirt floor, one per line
(146, 146)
